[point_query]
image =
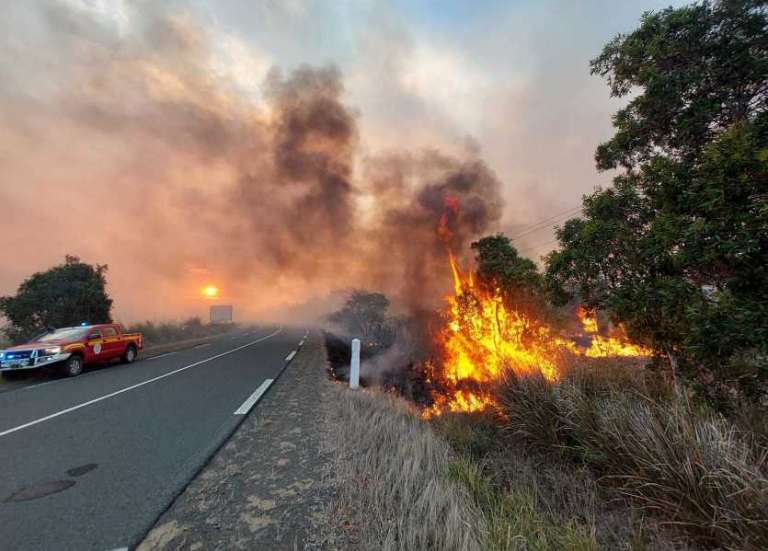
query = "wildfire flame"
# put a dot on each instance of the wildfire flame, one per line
(480, 338)
(615, 345)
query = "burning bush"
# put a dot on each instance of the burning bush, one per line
(487, 331)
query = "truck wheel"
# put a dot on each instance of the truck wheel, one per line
(130, 354)
(73, 366)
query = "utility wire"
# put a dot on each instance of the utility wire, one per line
(532, 248)
(542, 224)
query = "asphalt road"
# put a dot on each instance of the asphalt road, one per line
(89, 463)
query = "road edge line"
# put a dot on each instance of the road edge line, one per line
(254, 398)
(208, 456)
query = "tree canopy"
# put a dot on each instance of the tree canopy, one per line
(677, 249)
(500, 267)
(63, 296)
(364, 315)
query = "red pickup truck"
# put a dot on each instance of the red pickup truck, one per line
(72, 348)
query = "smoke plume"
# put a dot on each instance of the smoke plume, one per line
(136, 150)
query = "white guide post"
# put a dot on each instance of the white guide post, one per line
(354, 365)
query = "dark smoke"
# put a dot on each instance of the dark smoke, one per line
(429, 203)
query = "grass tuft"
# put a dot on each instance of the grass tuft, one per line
(513, 517)
(394, 474)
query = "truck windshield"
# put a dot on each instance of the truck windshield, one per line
(67, 333)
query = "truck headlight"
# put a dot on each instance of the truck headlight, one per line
(2, 355)
(52, 351)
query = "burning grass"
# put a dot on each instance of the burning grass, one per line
(606, 456)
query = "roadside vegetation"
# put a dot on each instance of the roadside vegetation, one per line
(395, 479)
(608, 458)
(607, 455)
(166, 332)
(63, 296)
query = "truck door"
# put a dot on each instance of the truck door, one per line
(112, 345)
(94, 347)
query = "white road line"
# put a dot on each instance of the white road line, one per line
(137, 385)
(301, 342)
(253, 398)
(161, 356)
(40, 384)
(290, 356)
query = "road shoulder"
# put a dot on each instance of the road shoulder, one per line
(268, 487)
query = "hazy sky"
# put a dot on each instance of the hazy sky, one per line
(97, 158)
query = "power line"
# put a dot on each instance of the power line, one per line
(541, 224)
(533, 248)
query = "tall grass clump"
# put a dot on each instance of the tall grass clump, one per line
(394, 474)
(690, 467)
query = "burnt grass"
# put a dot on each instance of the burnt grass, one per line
(407, 380)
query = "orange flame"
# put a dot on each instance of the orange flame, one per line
(481, 337)
(615, 345)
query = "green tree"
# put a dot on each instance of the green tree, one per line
(499, 266)
(677, 249)
(65, 295)
(364, 315)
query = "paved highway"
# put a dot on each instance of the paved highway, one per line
(89, 463)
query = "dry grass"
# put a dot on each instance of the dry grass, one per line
(394, 474)
(690, 468)
(538, 502)
(580, 464)
(514, 518)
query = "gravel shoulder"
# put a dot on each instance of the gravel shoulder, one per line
(270, 486)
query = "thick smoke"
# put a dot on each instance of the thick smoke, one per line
(152, 161)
